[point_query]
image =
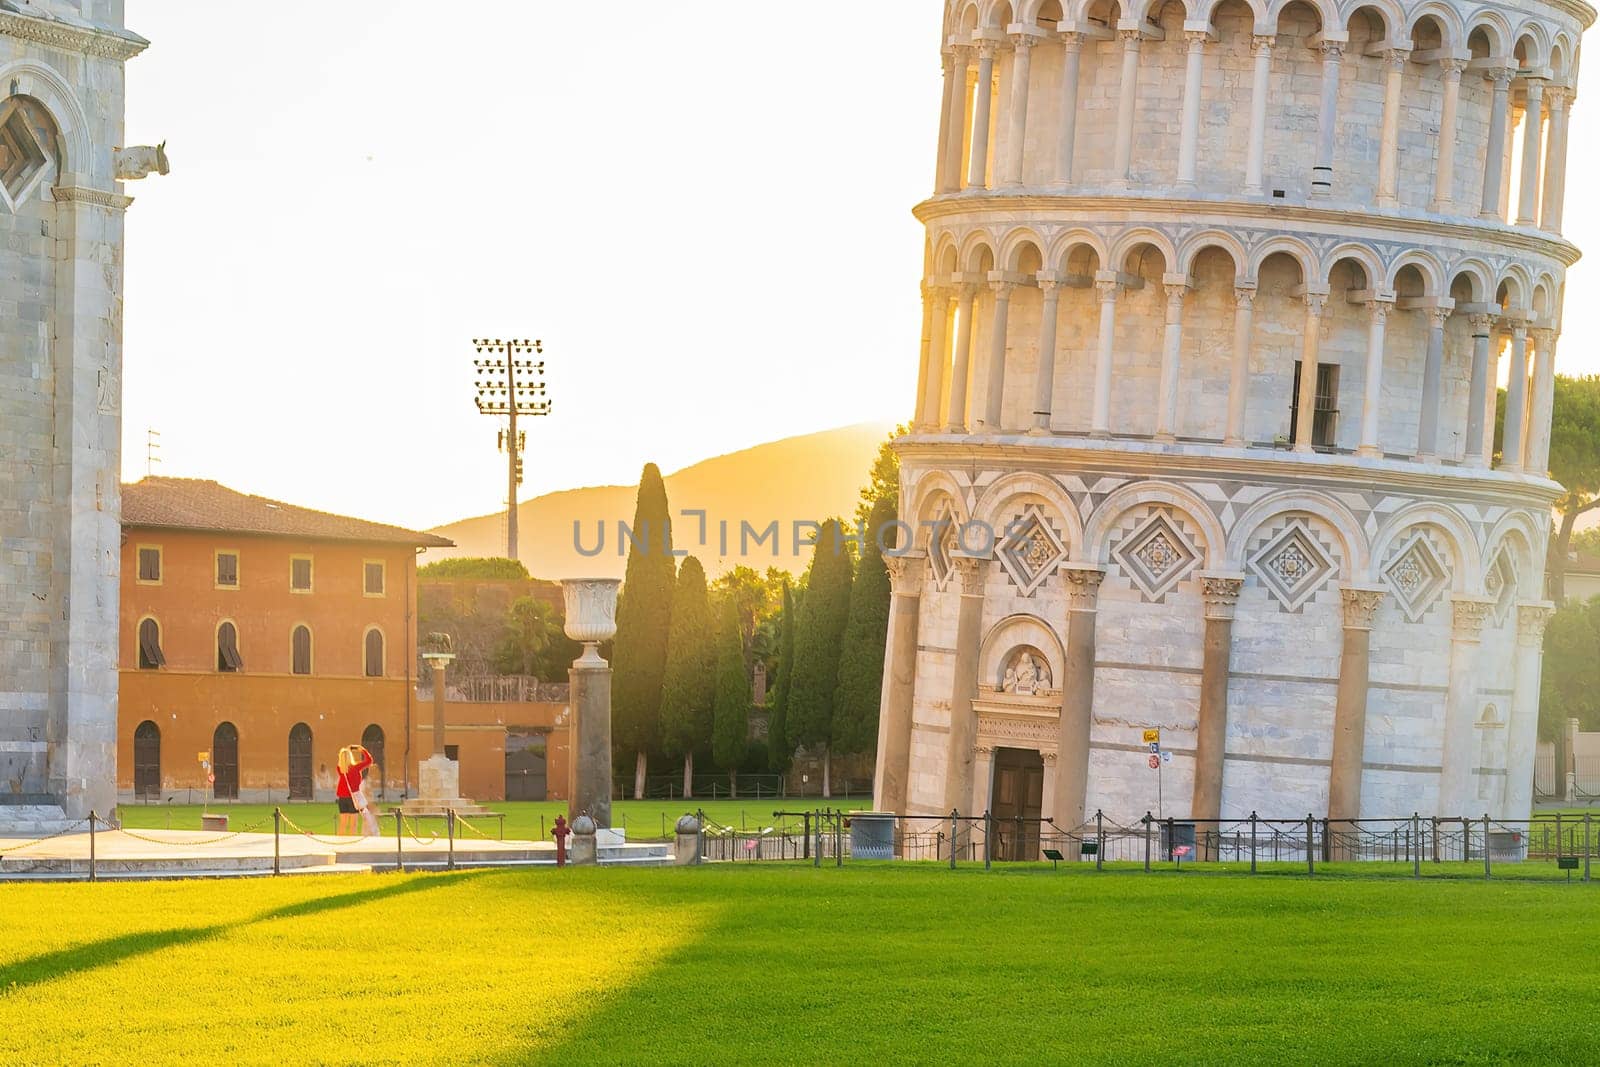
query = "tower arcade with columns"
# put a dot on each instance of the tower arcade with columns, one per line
(1216, 300)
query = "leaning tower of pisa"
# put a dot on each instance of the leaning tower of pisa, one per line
(1217, 300)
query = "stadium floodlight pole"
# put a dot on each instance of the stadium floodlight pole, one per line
(510, 386)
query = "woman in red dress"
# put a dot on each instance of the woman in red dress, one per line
(353, 760)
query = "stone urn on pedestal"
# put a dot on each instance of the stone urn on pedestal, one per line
(591, 618)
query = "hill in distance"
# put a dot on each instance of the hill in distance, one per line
(812, 477)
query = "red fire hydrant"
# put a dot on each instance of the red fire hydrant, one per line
(560, 832)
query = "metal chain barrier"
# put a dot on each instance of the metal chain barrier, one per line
(411, 831)
(73, 828)
(473, 830)
(338, 842)
(252, 828)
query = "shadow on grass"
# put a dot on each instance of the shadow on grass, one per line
(110, 951)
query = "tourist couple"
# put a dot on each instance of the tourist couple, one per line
(351, 795)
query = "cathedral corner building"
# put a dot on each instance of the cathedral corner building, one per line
(1216, 301)
(62, 153)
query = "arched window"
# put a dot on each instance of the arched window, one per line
(228, 659)
(374, 653)
(372, 741)
(300, 779)
(225, 761)
(147, 761)
(150, 657)
(300, 650)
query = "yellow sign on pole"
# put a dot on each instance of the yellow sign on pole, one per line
(1152, 737)
(206, 755)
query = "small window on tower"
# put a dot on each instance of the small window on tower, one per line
(228, 659)
(227, 570)
(373, 578)
(149, 564)
(300, 574)
(150, 657)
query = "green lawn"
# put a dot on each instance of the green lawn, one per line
(644, 819)
(883, 963)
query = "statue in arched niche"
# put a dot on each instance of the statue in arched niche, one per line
(1027, 673)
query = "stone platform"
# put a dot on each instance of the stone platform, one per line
(155, 854)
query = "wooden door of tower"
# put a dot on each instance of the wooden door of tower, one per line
(525, 765)
(300, 763)
(225, 762)
(1018, 803)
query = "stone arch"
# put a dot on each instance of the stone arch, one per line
(946, 255)
(1537, 53)
(1294, 248)
(1220, 239)
(53, 92)
(1453, 35)
(990, 507)
(1361, 254)
(1061, 248)
(1496, 30)
(973, 248)
(932, 491)
(1014, 244)
(1517, 532)
(1515, 287)
(1468, 562)
(1016, 632)
(1326, 11)
(1028, 11)
(1128, 242)
(1389, 13)
(1206, 10)
(1097, 532)
(997, 14)
(1312, 502)
(1479, 278)
(969, 20)
(1561, 56)
(1427, 265)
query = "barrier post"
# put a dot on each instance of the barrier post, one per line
(838, 841)
(450, 831)
(805, 834)
(277, 822)
(1486, 844)
(1252, 842)
(399, 837)
(1147, 842)
(955, 814)
(93, 873)
(816, 856)
(1099, 840)
(1585, 846)
(988, 838)
(1327, 842)
(1416, 853)
(1311, 863)
(1559, 836)
(1435, 820)
(1169, 840)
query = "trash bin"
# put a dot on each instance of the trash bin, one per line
(871, 835)
(213, 822)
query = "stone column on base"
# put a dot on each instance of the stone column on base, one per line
(970, 572)
(1350, 710)
(591, 605)
(1555, 164)
(1515, 438)
(1177, 287)
(982, 106)
(1432, 373)
(1044, 378)
(1522, 731)
(1189, 120)
(1077, 695)
(1221, 592)
(1532, 147)
(1460, 704)
(1067, 123)
(1477, 448)
(1494, 156)
(1310, 344)
(1106, 286)
(584, 850)
(1328, 118)
(955, 140)
(1444, 173)
(1372, 397)
(1239, 369)
(995, 368)
(1255, 153)
(1127, 96)
(1021, 75)
(892, 780)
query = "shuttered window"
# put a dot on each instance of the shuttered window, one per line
(374, 654)
(228, 659)
(300, 650)
(227, 570)
(150, 564)
(300, 574)
(372, 578)
(150, 657)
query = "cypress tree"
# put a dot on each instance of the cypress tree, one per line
(730, 736)
(855, 709)
(817, 641)
(690, 684)
(778, 750)
(644, 613)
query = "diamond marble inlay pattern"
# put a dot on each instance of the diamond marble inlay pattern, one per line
(1031, 551)
(1156, 556)
(1416, 576)
(1293, 565)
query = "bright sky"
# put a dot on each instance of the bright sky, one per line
(705, 217)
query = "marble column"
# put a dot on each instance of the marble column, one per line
(1432, 373)
(1239, 369)
(938, 367)
(961, 369)
(590, 694)
(1256, 153)
(1021, 73)
(950, 180)
(970, 572)
(925, 357)
(1444, 174)
(1372, 395)
(1106, 286)
(1494, 158)
(1071, 52)
(1044, 378)
(1350, 709)
(1515, 439)
(1460, 747)
(1477, 448)
(982, 107)
(1077, 696)
(893, 776)
(995, 362)
(1395, 60)
(1322, 172)
(1127, 98)
(1189, 123)
(1537, 458)
(1171, 354)
(1532, 146)
(1309, 346)
(1555, 164)
(1522, 732)
(952, 90)
(1221, 593)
